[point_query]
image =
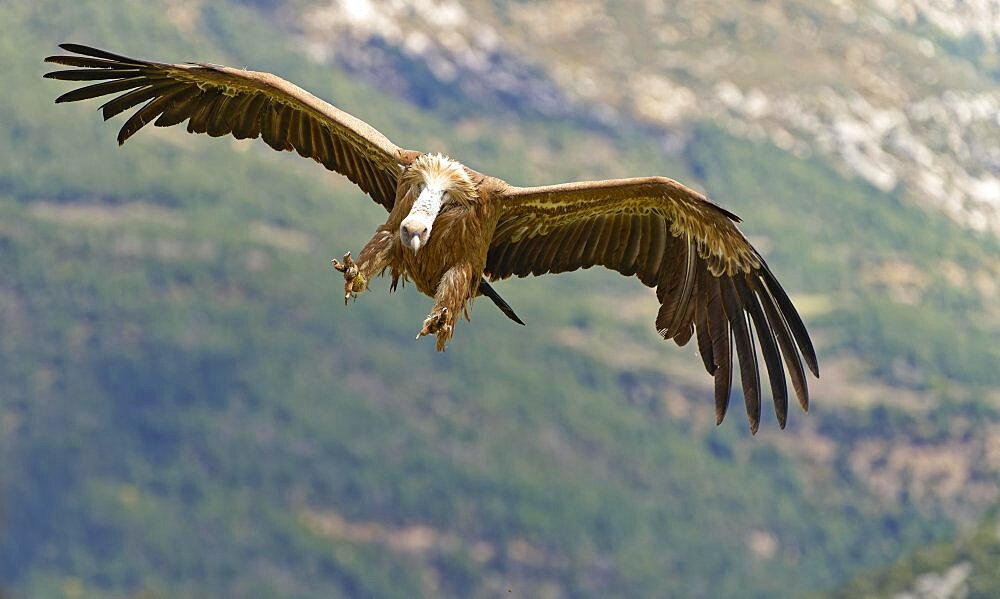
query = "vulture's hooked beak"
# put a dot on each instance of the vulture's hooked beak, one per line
(414, 233)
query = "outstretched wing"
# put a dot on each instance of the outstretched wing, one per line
(221, 100)
(711, 283)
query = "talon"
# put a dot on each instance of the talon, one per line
(434, 322)
(355, 282)
(347, 262)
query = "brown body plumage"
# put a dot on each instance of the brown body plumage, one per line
(451, 228)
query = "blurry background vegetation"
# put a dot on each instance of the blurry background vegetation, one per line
(189, 410)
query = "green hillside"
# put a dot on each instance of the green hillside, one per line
(189, 410)
(964, 567)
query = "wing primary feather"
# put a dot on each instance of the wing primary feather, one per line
(721, 334)
(101, 89)
(704, 337)
(788, 351)
(676, 284)
(667, 291)
(744, 351)
(671, 273)
(88, 51)
(791, 316)
(700, 319)
(87, 62)
(683, 335)
(123, 102)
(724, 378)
(768, 348)
(92, 74)
(143, 116)
(684, 298)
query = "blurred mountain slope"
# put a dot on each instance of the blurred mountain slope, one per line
(965, 567)
(901, 94)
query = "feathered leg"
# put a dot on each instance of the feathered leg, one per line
(457, 286)
(374, 259)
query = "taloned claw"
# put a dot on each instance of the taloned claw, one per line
(352, 277)
(433, 323)
(348, 263)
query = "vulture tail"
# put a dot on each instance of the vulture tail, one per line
(488, 291)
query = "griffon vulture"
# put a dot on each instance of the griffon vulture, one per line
(451, 228)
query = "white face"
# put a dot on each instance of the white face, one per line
(415, 229)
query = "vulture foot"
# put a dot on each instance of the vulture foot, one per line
(439, 322)
(355, 282)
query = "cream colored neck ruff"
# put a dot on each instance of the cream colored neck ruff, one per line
(438, 172)
(436, 175)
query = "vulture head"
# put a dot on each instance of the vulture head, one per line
(436, 181)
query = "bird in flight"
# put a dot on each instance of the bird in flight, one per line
(451, 229)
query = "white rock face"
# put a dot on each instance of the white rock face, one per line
(949, 584)
(868, 84)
